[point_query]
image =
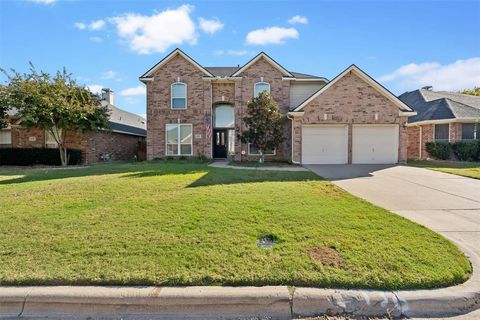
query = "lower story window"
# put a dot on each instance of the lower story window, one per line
(179, 139)
(5, 138)
(441, 132)
(470, 131)
(254, 151)
(50, 141)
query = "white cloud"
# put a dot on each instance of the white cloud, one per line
(156, 33)
(298, 19)
(218, 52)
(231, 52)
(210, 26)
(44, 1)
(109, 75)
(96, 25)
(96, 39)
(271, 35)
(461, 74)
(95, 88)
(135, 91)
(80, 25)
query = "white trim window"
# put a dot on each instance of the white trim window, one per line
(253, 151)
(50, 141)
(470, 131)
(441, 132)
(179, 95)
(260, 87)
(179, 140)
(6, 138)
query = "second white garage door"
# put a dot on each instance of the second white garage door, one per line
(375, 144)
(324, 144)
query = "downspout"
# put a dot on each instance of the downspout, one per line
(292, 145)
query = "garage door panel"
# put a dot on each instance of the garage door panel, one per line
(324, 144)
(375, 144)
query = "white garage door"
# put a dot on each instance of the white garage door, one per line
(375, 144)
(324, 144)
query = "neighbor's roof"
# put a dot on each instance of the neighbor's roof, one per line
(441, 105)
(122, 121)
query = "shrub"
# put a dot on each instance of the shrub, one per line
(34, 156)
(467, 150)
(439, 150)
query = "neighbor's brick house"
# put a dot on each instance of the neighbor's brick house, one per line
(441, 116)
(351, 119)
(121, 143)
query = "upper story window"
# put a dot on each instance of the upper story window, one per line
(442, 132)
(261, 87)
(179, 95)
(224, 116)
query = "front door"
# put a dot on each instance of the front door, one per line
(220, 143)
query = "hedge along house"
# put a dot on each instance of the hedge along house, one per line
(442, 116)
(194, 110)
(119, 143)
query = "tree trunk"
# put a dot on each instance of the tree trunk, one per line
(63, 155)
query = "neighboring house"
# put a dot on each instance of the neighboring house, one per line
(121, 143)
(194, 110)
(441, 116)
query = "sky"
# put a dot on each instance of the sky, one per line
(402, 44)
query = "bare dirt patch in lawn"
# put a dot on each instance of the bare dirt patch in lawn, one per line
(327, 256)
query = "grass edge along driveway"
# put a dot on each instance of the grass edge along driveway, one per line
(173, 223)
(460, 168)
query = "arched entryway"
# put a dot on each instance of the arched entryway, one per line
(223, 130)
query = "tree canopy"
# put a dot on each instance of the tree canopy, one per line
(54, 103)
(264, 124)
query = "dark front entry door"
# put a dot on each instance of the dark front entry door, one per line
(220, 143)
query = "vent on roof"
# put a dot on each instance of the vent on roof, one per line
(429, 88)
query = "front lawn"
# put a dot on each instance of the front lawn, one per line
(466, 169)
(182, 223)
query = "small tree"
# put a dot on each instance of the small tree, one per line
(56, 104)
(473, 92)
(264, 124)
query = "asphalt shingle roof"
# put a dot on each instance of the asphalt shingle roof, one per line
(438, 105)
(124, 121)
(228, 71)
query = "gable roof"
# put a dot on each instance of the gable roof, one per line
(432, 106)
(262, 54)
(148, 75)
(364, 76)
(122, 121)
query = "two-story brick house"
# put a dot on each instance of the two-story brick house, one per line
(194, 110)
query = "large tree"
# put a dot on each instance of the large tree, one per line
(264, 124)
(54, 103)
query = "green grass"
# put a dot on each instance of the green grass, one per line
(182, 223)
(466, 169)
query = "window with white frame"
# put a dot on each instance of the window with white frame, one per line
(442, 132)
(6, 138)
(261, 87)
(470, 131)
(50, 141)
(254, 151)
(179, 95)
(179, 139)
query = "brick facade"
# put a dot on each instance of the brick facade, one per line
(119, 146)
(350, 101)
(427, 134)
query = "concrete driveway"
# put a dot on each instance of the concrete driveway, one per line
(445, 203)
